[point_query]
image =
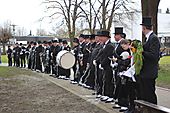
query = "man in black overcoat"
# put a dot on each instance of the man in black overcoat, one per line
(149, 71)
(107, 51)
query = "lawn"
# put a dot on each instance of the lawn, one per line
(4, 59)
(13, 71)
(164, 72)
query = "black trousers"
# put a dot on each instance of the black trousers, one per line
(108, 86)
(123, 92)
(147, 90)
(17, 61)
(9, 61)
(38, 63)
(23, 61)
(90, 79)
(98, 80)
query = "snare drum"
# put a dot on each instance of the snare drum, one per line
(65, 59)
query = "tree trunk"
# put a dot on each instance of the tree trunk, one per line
(150, 8)
(104, 15)
(3, 46)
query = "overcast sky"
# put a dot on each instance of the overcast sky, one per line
(26, 13)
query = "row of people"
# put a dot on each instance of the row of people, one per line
(116, 72)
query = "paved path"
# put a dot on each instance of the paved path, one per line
(162, 93)
(3, 64)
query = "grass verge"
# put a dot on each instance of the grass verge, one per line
(13, 71)
(164, 72)
(4, 59)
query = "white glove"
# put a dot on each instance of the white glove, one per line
(100, 66)
(80, 55)
(113, 65)
(94, 62)
(88, 65)
(72, 51)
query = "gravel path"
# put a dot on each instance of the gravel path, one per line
(35, 94)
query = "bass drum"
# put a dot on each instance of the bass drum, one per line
(65, 59)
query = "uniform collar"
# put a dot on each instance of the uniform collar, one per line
(107, 41)
(148, 34)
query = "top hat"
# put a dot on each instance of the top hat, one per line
(103, 33)
(81, 35)
(86, 36)
(146, 21)
(64, 41)
(35, 43)
(60, 40)
(39, 42)
(92, 36)
(44, 42)
(55, 41)
(76, 40)
(119, 30)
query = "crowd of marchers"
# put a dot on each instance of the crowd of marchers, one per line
(118, 72)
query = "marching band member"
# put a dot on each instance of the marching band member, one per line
(32, 55)
(29, 52)
(76, 52)
(119, 35)
(22, 55)
(55, 51)
(9, 54)
(85, 64)
(38, 52)
(47, 62)
(66, 72)
(104, 63)
(17, 53)
(82, 45)
(90, 79)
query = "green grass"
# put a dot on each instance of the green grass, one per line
(13, 71)
(164, 72)
(165, 60)
(4, 59)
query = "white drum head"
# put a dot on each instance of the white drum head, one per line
(65, 59)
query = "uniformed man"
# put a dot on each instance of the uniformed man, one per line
(149, 71)
(38, 52)
(22, 55)
(76, 52)
(47, 64)
(104, 63)
(9, 54)
(14, 54)
(32, 55)
(17, 53)
(55, 51)
(29, 52)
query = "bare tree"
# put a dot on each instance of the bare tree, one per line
(21, 31)
(67, 9)
(41, 32)
(104, 12)
(5, 34)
